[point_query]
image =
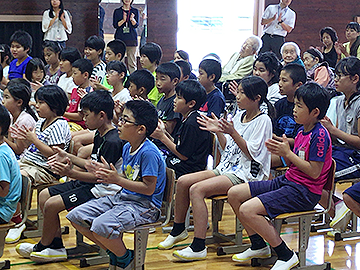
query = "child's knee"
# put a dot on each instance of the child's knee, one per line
(43, 197)
(54, 204)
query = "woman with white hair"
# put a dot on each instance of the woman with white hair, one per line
(290, 53)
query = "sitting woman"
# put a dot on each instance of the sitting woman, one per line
(352, 47)
(328, 37)
(290, 53)
(318, 70)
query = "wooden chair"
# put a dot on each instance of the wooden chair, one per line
(141, 233)
(304, 227)
(25, 204)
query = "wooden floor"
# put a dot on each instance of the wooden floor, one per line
(341, 254)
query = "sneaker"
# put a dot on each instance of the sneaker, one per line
(14, 234)
(342, 217)
(49, 255)
(286, 265)
(187, 254)
(170, 241)
(248, 254)
(130, 266)
(332, 233)
(24, 249)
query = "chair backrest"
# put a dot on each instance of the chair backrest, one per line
(330, 185)
(25, 199)
(168, 197)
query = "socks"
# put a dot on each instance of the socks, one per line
(55, 244)
(198, 244)
(178, 228)
(16, 219)
(283, 252)
(126, 259)
(112, 256)
(257, 242)
(39, 247)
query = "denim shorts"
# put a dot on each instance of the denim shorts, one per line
(110, 216)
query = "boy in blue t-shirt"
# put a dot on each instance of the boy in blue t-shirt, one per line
(21, 43)
(10, 177)
(142, 180)
(209, 74)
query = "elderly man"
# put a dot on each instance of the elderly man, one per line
(241, 63)
(279, 20)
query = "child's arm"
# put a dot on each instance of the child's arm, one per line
(290, 140)
(282, 148)
(160, 134)
(170, 125)
(74, 116)
(18, 147)
(212, 125)
(110, 176)
(4, 188)
(353, 140)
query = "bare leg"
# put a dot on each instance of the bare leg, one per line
(353, 205)
(89, 234)
(217, 185)
(116, 246)
(182, 198)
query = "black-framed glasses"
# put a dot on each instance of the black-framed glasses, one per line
(122, 121)
(339, 76)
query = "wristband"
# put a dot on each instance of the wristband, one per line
(280, 22)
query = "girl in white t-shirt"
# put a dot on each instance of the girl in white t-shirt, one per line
(244, 158)
(16, 100)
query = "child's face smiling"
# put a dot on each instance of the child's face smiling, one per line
(38, 75)
(18, 51)
(91, 53)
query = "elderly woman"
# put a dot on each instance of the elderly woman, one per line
(290, 53)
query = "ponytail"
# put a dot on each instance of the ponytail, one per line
(31, 112)
(271, 109)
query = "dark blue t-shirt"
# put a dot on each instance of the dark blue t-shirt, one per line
(215, 102)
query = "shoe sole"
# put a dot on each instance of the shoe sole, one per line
(25, 255)
(187, 258)
(336, 222)
(249, 258)
(170, 247)
(42, 259)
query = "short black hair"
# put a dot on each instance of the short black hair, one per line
(33, 65)
(97, 101)
(349, 66)
(296, 72)
(95, 42)
(152, 51)
(211, 66)
(117, 66)
(23, 38)
(184, 55)
(84, 65)
(54, 97)
(117, 46)
(272, 65)
(184, 66)
(170, 69)
(5, 51)
(314, 96)
(142, 78)
(331, 32)
(52, 45)
(70, 53)
(353, 25)
(20, 80)
(144, 113)
(192, 90)
(4, 120)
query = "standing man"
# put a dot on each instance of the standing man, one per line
(279, 20)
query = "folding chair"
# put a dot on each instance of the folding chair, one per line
(25, 205)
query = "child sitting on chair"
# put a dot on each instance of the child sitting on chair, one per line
(299, 189)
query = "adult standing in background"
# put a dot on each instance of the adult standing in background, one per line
(279, 20)
(56, 23)
(101, 18)
(125, 21)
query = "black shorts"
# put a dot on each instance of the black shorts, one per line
(73, 193)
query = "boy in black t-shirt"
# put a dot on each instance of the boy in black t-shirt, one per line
(167, 77)
(191, 145)
(97, 108)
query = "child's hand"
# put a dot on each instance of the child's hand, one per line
(95, 84)
(118, 107)
(13, 131)
(159, 131)
(92, 166)
(226, 126)
(24, 133)
(233, 86)
(108, 176)
(326, 122)
(81, 92)
(274, 17)
(60, 156)
(280, 148)
(36, 85)
(339, 48)
(62, 168)
(279, 18)
(209, 124)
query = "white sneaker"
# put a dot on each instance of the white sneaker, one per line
(286, 265)
(49, 255)
(25, 249)
(248, 254)
(342, 217)
(187, 254)
(170, 241)
(14, 234)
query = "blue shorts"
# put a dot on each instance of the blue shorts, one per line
(281, 196)
(109, 216)
(347, 163)
(354, 192)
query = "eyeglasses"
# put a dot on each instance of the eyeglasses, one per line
(113, 72)
(122, 121)
(339, 76)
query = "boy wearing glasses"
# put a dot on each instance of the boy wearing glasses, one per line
(97, 108)
(142, 180)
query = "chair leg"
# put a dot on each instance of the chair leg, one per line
(304, 234)
(140, 244)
